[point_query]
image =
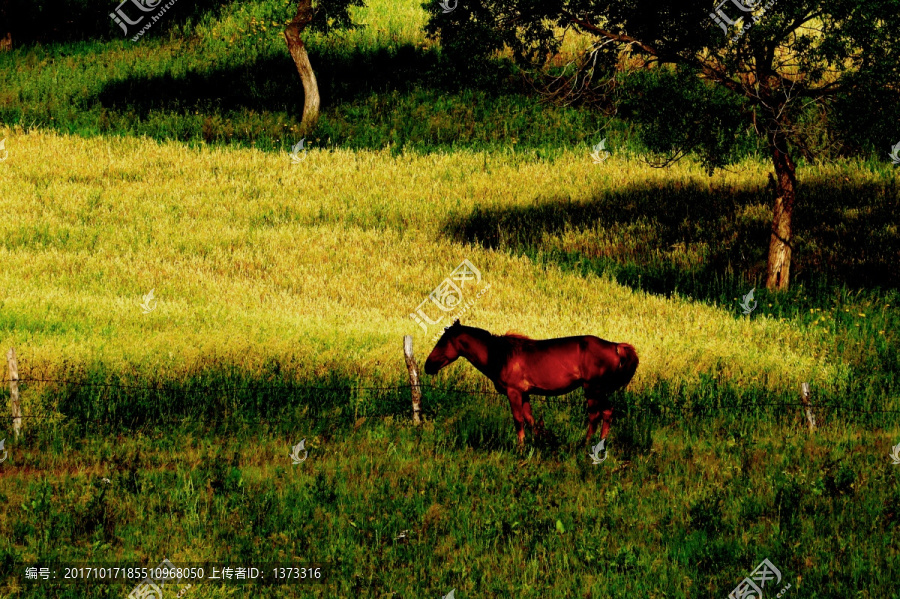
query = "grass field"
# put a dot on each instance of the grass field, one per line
(283, 292)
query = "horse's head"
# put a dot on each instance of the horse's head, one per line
(445, 351)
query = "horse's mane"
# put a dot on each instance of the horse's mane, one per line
(512, 335)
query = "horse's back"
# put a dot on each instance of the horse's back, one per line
(560, 365)
(581, 340)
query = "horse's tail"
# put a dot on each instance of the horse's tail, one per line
(628, 363)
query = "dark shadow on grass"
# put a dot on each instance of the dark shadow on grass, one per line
(706, 243)
(272, 84)
(62, 21)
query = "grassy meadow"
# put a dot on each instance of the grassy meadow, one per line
(282, 292)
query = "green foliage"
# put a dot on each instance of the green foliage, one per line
(681, 114)
(59, 21)
(322, 491)
(634, 428)
(470, 32)
(706, 514)
(845, 63)
(864, 118)
(334, 15)
(96, 516)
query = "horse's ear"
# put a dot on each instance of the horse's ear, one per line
(455, 323)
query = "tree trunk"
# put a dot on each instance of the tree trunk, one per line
(779, 268)
(298, 52)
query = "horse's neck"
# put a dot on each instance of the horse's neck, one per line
(477, 348)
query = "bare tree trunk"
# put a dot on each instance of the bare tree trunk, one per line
(779, 268)
(298, 52)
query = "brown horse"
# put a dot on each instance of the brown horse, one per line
(519, 367)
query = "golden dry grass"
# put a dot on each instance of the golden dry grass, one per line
(253, 257)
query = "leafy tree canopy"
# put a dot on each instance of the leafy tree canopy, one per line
(810, 76)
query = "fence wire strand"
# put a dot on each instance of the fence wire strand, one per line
(658, 407)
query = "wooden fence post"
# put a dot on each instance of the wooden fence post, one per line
(14, 391)
(804, 397)
(413, 378)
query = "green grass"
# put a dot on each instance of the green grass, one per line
(690, 517)
(232, 82)
(284, 291)
(267, 286)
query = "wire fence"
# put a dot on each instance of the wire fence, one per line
(287, 391)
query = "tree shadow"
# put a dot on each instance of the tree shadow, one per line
(272, 84)
(402, 98)
(704, 242)
(63, 21)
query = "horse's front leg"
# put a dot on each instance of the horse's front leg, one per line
(515, 404)
(526, 411)
(597, 407)
(607, 420)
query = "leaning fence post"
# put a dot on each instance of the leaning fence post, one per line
(413, 378)
(804, 397)
(14, 391)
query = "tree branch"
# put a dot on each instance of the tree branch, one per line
(613, 36)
